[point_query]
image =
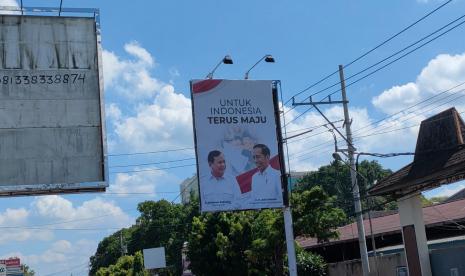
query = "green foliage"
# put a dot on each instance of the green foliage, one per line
(160, 223)
(27, 270)
(335, 180)
(315, 214)
(108, 251)
(125, 266)
(253, 243)
(218, 241)
(437, 199)
(310, 264)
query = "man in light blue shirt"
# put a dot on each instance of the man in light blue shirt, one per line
(220, 191)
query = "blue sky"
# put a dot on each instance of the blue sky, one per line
(153, 48)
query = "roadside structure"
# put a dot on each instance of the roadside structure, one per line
(439, 159)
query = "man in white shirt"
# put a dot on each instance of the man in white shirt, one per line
(219, 190)
(266, 182)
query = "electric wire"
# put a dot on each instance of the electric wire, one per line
(410, 107)
(371, 50)
(402, 56)
(387, 64)
(154, 169)
(153, 163)
(68, 269)
(358, 135)
(391, 56)
(387, 130)
(150, 152)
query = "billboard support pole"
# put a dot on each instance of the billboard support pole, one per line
(288, 228)
(291, 257)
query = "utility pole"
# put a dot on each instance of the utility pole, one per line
(353, 177)
(353, 174)
(124, 249)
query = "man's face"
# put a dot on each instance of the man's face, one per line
(261, 160)
(218, 166)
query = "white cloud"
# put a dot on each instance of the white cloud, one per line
(131, 77)
(159, 117)
(441, 73)
(310, 151)
(93, 213)
(389, 100)
(113, 112)
(141, 182)
(447, 190)
(18, 218)
(9, 3)
(166, 123)
(60, 256)
(143, 55)
(14, 216)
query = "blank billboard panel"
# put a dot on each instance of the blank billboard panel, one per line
(52, 135)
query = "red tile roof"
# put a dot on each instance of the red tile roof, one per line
(432, 215)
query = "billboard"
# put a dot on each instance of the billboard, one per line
(52, 134)
(237, 150)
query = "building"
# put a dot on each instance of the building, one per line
(189, 187)
(445, 228)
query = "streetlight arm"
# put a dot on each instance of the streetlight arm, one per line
(210, 75)
(248, 71)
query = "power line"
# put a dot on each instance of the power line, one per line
(154, 163)
(410, 107)
(391, 62)
(416, 115)
(390, 56)
(404, 55)
(312, 127)
(330, 142)
(371, 50)
(68, 269)
(155, 169)
(150, 152)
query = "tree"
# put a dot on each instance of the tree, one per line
(109, 250)
(437, 199)
(335, 180)
(160, 223)
(27, 270)
(310, 264)
(219, 241)
(315, 214)
(125, 266)
(253, 243)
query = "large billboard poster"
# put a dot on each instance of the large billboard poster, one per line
(236, 145)
(52, 131)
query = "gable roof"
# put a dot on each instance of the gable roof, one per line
(439, 158)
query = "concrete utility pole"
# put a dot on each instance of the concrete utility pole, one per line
(353, 170)
(353, 177)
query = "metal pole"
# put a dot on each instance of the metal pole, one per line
(288, 229)
(353, 177)
(291, 258)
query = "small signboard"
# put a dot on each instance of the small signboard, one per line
(154, 258)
